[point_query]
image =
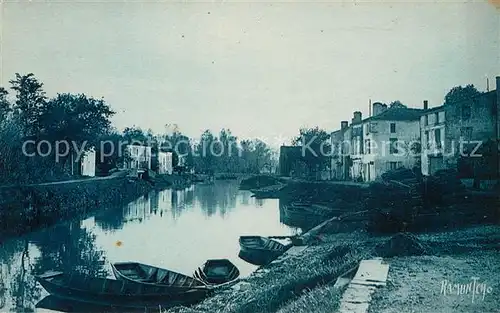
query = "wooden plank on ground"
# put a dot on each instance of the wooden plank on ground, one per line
(371, 272)
(370, 275)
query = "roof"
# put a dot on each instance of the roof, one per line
(439, 108)
(397, 114)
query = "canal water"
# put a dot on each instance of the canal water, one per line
(177, 230)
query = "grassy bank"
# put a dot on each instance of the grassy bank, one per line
(285, 281)
(24, 209)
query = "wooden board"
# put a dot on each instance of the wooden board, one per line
(370, 275)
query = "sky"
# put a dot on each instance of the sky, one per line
(261, 69)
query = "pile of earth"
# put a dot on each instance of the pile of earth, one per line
(258, 181)
(402, 244)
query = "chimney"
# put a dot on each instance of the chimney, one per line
(356, 117)
(343, 125)
(426, 104)
(378, 108)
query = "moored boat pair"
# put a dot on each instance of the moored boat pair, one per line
(139, 285)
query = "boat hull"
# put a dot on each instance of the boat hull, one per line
(169, 280)
(217, 272)
(114, 293)
(260, 249)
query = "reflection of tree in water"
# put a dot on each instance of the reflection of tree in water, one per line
(24, 290)
(219, 196)
(65, 247)
(69, 247)
(111, 219)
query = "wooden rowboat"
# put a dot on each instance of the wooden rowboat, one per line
(268, 192)
(147, 274)
(262, 248)
(115, 293)
(217, 271)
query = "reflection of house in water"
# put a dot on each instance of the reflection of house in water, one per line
(153, 201)
(137, 210)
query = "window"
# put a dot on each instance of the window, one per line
(393, 148)
(437, 138)
(466, 112)
(426, 121)
(427, 139)
(367, 146)
(436, 118)
(393, 128)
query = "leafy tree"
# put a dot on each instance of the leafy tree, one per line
(229, 151)
(135, 135)
(110, 151)
(180, 146)
(205, 159)
(4, 104)
(30, 98)
(75, 117)
(459, 93)
(262, 155)
(316, 149)
(397, 104)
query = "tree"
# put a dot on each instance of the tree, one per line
(205, 158)
(262, 155)
(459, 93)
(316, 149)
(4, 104)
(30, 98)
(75, 117)
(109, 153)
(180, 146)
(397, 104)
(134, 135)
(227, 161)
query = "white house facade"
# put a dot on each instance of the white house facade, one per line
(385, 141)
(165, 165)
(88, 163)
(139, 157)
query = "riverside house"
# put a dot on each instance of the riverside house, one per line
(463, 136)
(382, 142)
(432, 134)
(138, 157)
(165, 165)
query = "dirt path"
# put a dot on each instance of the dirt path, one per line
(427, 284)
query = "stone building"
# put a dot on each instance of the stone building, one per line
(384, 141)
(432, 134)
(462, 136)
(472, 133)
(290, 161)
(339, 160)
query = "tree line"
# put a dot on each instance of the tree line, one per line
(68, 124)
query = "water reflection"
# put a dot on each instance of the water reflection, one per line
(178, 230)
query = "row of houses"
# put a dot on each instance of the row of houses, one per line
(462, 136)
(137, 157)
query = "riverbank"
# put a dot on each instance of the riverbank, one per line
(303, 281)
(27, 208)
